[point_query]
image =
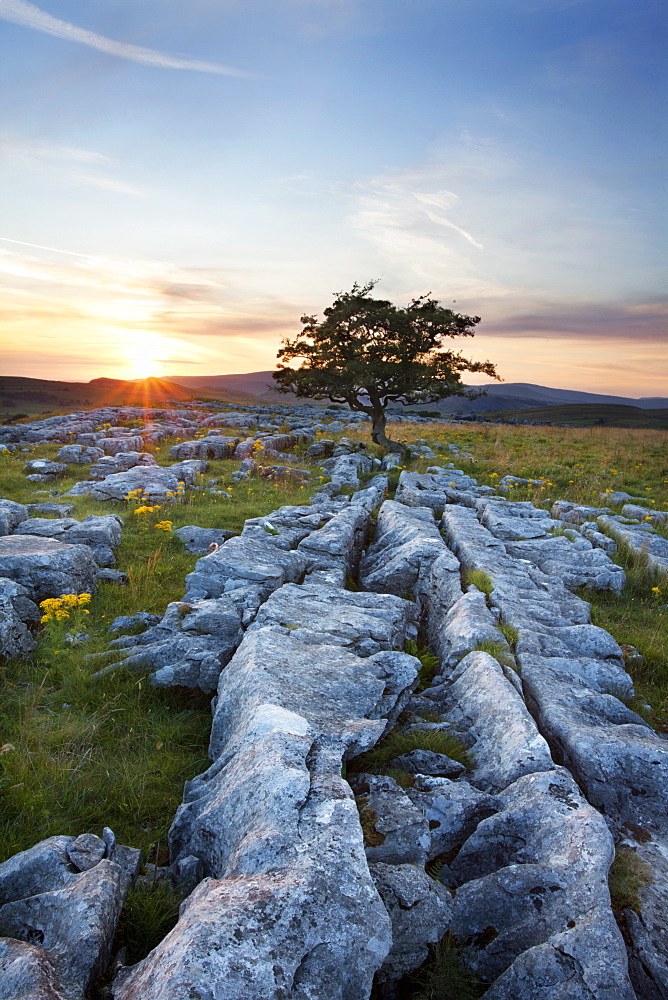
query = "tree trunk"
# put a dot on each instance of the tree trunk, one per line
(378, 421)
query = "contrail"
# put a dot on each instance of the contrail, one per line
(69, 253)
(30, 16)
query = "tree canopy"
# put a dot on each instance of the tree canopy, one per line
(368, 352)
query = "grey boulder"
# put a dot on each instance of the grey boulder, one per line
(419, 909)
(78, 454)
(11, 515)
(47, 567)
(64, 895)
(241, 562)
(101, 533)
(405, 544)
(200, 540)
(395, 830)
(427, 762)
(364, 623)
(27, 973)
(532, 873)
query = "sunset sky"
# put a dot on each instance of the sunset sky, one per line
(180, 180)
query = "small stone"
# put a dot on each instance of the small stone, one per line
(86, 851)
(427, 762)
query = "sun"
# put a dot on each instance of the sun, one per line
(143, 361)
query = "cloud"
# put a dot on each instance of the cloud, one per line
(187, 303)
(407, 217)
(59, 160)
(638, 321)
(25, 147)
(110, 184)
(444, 203)
(30, 16)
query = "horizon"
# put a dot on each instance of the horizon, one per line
(174, 379)
(180, 191)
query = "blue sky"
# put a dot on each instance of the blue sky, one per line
(180, 181)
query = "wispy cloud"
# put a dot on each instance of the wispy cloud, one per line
(414, 223)
(637, 321)
(110, 184)
(61, 163)
(152, 295)
(30, 16)
(440, 220)
(20, 147)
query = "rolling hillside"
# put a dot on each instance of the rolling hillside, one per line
(32, 396)
(589, 415)
(513, 399)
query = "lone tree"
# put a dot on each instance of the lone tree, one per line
(368, 353)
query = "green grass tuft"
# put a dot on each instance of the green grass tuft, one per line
(511, 634)
(150, 912)
(396, 743)
(444, 977)
(430, 663)
(628, 874)
(478, 578)
(498, 651)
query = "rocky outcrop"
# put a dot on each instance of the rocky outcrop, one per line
(11, 515)
(200, 540)
(214, 447)
(406, 542)
(420, 911)
(188, 647)
(362, 623)
(27, 973)
(101, 533)
(62, 899)
(438, 487)
(332, 553)
(516, 763)
(290, 895)
(155, 482)
(47, 567)
(533, 899)
(641, 538)
(16, 609)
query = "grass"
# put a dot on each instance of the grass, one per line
(76, 755)
(498, 651)
(396, 743)
(478, 578)
(79, 754)
(150, 912)
(627, 876)
(573, 463)
(430, 663)
(444, 976)
(510, 633)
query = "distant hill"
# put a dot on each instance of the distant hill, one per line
(256, 385)
(504, 395)
(520, 395)
(589, 415)
(33, 396)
